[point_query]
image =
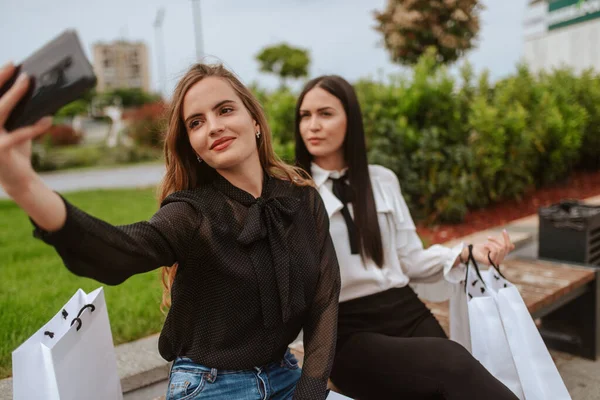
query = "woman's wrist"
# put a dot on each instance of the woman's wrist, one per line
(20, 188)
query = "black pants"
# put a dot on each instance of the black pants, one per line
(391, 347)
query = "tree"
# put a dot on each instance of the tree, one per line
(285, 61)
(409, 27)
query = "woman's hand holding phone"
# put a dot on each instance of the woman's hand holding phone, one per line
(17, 176)
(16, 172)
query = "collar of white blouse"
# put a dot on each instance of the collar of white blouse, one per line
(383, 200)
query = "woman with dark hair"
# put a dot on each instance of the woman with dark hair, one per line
(243, 237)
(389, 344)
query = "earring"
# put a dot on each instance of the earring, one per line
(199, 159)
(258, 134)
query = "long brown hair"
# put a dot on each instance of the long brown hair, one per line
(184, 172)
(355, 155)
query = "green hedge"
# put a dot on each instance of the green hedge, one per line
(461, 142)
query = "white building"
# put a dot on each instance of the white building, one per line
(562, 33)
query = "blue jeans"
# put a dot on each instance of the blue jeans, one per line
(275, 381)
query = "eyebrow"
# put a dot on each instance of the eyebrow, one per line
(319, 109)
(219, 104)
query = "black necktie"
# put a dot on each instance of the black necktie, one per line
(344, 193)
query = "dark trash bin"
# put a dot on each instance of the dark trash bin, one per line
(570, 231)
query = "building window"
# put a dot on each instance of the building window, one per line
(108, 59)
(135, 70)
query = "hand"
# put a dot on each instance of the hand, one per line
(15, 147)
(496, 248)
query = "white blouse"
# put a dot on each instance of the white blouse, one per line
(405, 259)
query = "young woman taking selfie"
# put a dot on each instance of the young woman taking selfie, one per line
(244, 239)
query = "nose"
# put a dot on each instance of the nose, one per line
(314, 124)
(215, 125)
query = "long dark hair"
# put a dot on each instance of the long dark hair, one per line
(355, 155)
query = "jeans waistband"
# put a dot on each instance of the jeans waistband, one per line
(188, 363)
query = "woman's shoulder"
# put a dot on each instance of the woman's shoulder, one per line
(191, 197)
(305, 193)
(382, 173)
(301, 191)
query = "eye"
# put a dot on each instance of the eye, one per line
(326, 114)
(193, 124)
(302, 116)
(226, 110)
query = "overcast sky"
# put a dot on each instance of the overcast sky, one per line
(338, 33)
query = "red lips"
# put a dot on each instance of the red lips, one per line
(220, 142)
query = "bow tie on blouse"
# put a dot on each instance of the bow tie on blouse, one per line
(343, 191)
(268, 218)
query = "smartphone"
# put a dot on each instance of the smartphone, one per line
(59, 73)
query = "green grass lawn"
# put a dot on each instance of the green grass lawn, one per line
(34, 284)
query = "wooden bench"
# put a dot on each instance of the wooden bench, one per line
(565, 298)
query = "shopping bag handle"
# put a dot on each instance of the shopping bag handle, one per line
(65, 314)
(470, 260)
(79, 322)
(496, 267)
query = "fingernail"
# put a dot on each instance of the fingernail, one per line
(22, 77)
(46, 120)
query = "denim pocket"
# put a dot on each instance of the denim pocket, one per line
(185, 383)
(290, 361)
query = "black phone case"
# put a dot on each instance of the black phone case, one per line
(59, 73)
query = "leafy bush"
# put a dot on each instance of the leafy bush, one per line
(587, 94)
(147, 124)
(460, 143)
(61, 135)
(77, 107)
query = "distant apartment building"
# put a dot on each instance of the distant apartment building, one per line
(562, 33)
(121, 64)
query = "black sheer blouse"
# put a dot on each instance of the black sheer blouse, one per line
(252, 273)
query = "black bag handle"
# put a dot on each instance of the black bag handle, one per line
(79, 322)
(470, 260)
(65, 314)
(496, 267)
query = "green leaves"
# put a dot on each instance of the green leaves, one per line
(284, 61)
(409, 27)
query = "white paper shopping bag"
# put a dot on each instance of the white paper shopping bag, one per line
(538, 374)
(71, 357)
(476, 324)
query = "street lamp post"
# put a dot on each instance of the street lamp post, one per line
(160, 49)
(198, 29)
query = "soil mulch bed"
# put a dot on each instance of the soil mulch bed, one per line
(579, 186)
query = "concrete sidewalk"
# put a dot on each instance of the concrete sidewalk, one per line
(141, 175)
(143, 372)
